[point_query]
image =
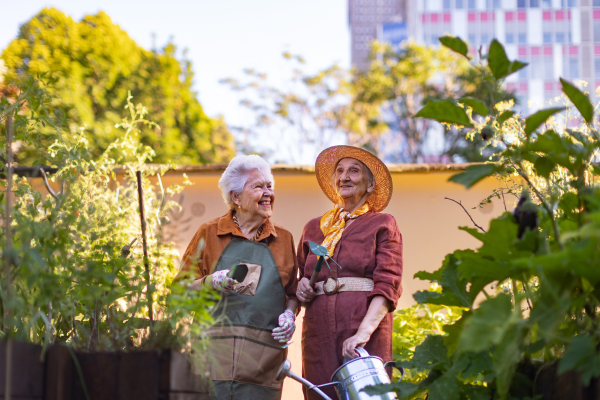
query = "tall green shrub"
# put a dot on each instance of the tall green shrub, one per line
(531, 291)
(77, 277)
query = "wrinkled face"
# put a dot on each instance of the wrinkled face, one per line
(257, 196)
(352, 179)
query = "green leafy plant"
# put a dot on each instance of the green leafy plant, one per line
(76, 254)
(531, 291)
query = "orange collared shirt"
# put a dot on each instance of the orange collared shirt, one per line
(219, 232)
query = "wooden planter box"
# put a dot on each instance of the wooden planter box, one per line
(143, 375)
(27, 381)
(567, 386)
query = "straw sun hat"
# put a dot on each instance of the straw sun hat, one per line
(325, 170)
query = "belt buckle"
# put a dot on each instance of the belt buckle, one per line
(336, 289)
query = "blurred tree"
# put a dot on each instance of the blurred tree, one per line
(90, 67)
(373, 108)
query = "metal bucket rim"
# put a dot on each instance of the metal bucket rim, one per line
(351, 361)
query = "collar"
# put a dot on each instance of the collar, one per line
(226, 226)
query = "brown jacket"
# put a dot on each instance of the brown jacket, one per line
(371, 247)
(216, 234)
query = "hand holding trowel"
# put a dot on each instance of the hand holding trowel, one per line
(321, 252)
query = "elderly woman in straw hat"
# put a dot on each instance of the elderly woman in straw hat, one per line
(259, 311)
(349, 306)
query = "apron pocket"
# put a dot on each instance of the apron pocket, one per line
(221, 359)
(248, 286)
(257, 364)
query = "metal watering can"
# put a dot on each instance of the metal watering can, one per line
(351, 378)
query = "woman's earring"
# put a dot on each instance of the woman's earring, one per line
(239, 206)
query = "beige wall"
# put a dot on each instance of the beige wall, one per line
(428, 222)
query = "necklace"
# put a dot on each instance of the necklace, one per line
(258, 233)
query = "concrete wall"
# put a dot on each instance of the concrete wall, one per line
(429, 224)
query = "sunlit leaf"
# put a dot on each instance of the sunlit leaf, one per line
(445, 111)
(499, 63)
(580, 100)
(477, 105)
(455, 44)
(535, 120)
(474, 173)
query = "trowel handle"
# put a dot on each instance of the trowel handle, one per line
(313, 278)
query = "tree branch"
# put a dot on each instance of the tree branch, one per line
(463, 207)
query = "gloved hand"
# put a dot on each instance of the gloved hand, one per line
(283, 333)
(223, 283)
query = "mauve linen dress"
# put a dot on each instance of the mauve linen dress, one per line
(371, 247)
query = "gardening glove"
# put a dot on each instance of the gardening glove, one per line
(283, 333)
(223, 283)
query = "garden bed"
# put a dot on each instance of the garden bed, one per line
(143, 375)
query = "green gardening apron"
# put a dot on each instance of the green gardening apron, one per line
(245, 357)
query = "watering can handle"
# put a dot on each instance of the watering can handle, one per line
(361, 353)
(393, 365)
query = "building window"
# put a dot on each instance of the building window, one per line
(573, 68)
(597, 31)
(521, 4)
(523, 74)
(547, 37)
(560, 37)
(547, 3)
(548, 68)
(597, 67)
(497, 4)
(536, 67)
(459, 4)
(534, 3)
(472, 39)
(522, 37)
(510, 38)
(596, 3)
(447, 5)
(471, 4)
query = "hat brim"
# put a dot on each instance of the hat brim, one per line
(325, 171)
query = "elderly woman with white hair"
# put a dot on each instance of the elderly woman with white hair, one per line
(260, 311)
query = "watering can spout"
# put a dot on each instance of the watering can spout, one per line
(286, 370)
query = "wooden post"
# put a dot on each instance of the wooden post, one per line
(138, 175)
(7, 260)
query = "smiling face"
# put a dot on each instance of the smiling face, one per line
(352, 182)
(257, 197)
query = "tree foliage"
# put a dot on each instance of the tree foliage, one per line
(531, 291)
(373, 108)
(91, 66)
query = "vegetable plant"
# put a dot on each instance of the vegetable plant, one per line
(531, 291)
(76, 256)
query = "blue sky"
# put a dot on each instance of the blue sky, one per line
(222, 36)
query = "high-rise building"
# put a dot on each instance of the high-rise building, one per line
(558, 38)
(368, 20)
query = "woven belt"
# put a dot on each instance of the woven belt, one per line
(335, 285)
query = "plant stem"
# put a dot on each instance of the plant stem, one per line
(7, 260)
(463, 207)
(138, 175)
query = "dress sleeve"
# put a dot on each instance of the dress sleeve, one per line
(191, 262)
(387, 275)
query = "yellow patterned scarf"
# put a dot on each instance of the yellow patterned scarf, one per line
(334, 222)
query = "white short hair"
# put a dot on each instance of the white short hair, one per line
(236, 175)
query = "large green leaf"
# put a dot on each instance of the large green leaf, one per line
(431, 354)
(447, 387)
(452, 282)
(582, 355)
(544, 166)
(535, 120)
(499, 63)
(455, 44)
(477, 105)
(580, 100)
(474, 174)
(487, 326)
(506, 356)
(445, 111)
